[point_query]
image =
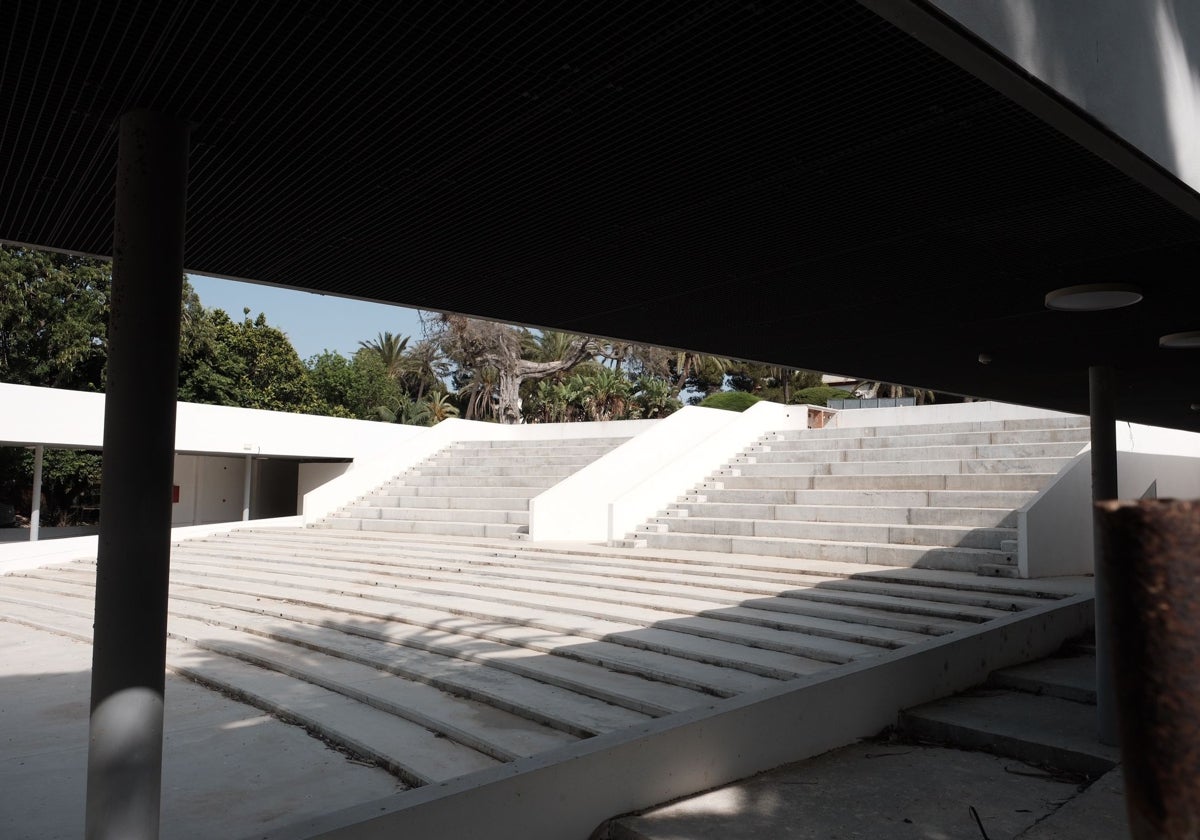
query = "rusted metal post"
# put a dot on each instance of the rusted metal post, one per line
(1151, 551)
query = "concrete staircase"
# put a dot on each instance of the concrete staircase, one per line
(1042, 712)
(472, 488)
(929, 496)
(435, 657)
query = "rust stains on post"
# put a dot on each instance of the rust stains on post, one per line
(1151, 550)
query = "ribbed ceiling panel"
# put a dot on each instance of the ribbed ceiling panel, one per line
(794, 182)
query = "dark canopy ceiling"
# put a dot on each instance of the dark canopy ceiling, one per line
(800, 183)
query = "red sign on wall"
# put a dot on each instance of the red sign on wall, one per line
(174, 494)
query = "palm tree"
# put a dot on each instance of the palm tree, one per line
(390, 349)
(688, 364)
(403, 410)
(654, 398)
(607, 395)
(424, 367)
(436, 408)
(479, 393)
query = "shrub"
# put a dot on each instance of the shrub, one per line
(729, 400)
(820, 395)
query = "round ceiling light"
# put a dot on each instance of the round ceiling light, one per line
(1093, 297)
(1181, 340)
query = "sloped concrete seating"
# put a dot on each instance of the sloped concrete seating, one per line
(437, 657)
(939, 497)
(472, 489)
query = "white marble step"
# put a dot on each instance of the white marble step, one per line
(920, 437)
(927, 481)
(919, 453)
(412, 752)
(1017, 425)
(913, 556)
(542, 444)
(877, 514)
(897, 467)
(1005, 499)
(916, 535)
(352, 522)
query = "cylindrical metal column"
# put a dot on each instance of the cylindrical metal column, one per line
(1150, 550)
(1104, 488)
(35, 501)
(124, 777)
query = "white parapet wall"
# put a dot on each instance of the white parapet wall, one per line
(577, 507)
(59, 418)
(214, 445)
(660, 467)
(1055, 527)
(929, 415)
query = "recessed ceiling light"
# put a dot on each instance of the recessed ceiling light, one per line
(1181, 341)
(1093, 297)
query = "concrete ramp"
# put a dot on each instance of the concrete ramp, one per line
(533, 690)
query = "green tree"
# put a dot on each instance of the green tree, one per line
(475, 345)
(53, 319)
(248, 364)
(436, 408)
(607, 395)
(354, 387)
(390, 351)
(655, 398)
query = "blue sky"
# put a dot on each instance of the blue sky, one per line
(313, 322)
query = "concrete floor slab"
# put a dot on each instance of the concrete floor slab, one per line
(210, 788)
(867, 791)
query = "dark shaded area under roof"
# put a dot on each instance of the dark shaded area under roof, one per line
(796, 183)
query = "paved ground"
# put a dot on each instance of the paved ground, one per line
(894, 790)
(210, 790)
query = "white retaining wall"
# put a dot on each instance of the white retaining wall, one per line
(75, 420)
(682, 455)
(1056, 532)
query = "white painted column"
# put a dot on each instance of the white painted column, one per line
(35, 502)
(246, 489)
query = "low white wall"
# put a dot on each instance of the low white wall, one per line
(1151, 475)
(577, 508)
(16, 557)
(702, 450)
(75, 419)
(1056, 535)
(313, 474)
(967, 412)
